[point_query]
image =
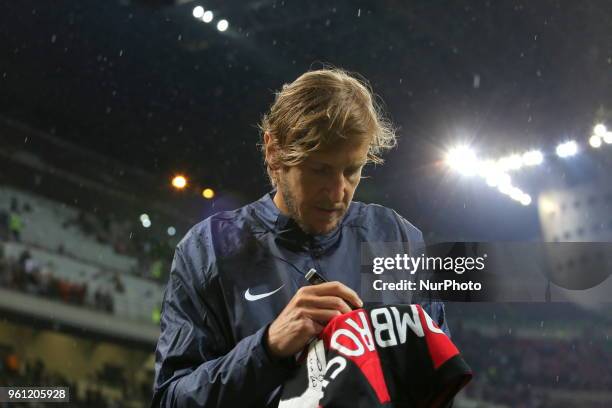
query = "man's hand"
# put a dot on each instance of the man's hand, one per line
(306, 315)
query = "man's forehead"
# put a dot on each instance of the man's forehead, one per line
(346, 154)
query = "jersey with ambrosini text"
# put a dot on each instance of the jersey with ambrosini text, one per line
(389, 356)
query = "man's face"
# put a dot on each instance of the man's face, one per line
(317, 192)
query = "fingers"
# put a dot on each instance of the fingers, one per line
(307, 313)
(316, 320)
(334, 289)
(324, 302)
(321, 316)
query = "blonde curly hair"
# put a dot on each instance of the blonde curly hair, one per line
(319, 108)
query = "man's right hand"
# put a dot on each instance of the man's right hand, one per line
(307, 314)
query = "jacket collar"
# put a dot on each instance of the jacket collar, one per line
(288, 232)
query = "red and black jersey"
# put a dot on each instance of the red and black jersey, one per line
(388, 356)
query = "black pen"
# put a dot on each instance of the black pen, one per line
(314, 278)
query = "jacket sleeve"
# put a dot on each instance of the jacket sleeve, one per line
(194, 364)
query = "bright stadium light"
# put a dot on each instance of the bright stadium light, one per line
(463, 159)
(179, 182)
(208, 193)
(498, 179)
(600, 129)
(512, 162)
(144, 217)
(567, 149)
(505, 189)
(595, 141)
(171, 231)
(222, 25)
(525, 199)
(548, 205)
(208, 16)
(491, 180)
(516, 193)
(608, 138)
(198, 11)
(485, 168)
(532, 158)
(146, 223)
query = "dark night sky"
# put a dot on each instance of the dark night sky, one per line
(148, 85)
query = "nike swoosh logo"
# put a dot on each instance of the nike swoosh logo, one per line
(250, 297)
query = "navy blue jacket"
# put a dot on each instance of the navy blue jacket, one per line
(212, 351)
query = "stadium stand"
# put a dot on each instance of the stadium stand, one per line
(52, 256)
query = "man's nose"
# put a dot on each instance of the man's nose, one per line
(336, 187)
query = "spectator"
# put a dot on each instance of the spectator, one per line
(118, 283)
(156, 269)
(15, 226)
(31, 275)
(45, 277)
(12, 363)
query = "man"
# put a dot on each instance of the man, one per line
(237, 307)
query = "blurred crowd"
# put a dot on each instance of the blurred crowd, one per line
(527, 372)
(153, 252)
(26, 274)
(19, 372)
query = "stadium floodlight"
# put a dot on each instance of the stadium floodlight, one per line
(595, 141)
(146, 223)
(198, 11)
(525, 199)
(463, 159)
(505, 189)
(171, 231)
(512, 162)
(179, 182)
(208, 193)
(516, 193)
(533, 158)
(222, 25)
(492, 180)
(499, 178)
(548, 205)
(207, 17)
(486, 167)
(600, 129)
(608, 138)
(144, 217)
(567, 149)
